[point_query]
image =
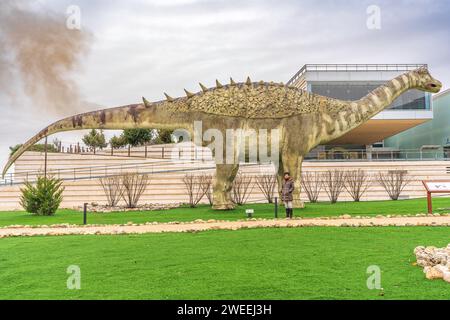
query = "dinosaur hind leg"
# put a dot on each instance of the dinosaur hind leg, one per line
(292, 163)
(225, 174)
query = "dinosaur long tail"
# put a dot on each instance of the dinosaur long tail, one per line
(114, 118)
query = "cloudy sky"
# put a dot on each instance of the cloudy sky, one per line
(145, 48)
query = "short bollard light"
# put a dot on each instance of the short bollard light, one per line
(249, 212)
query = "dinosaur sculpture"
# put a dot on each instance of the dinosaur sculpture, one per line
(304, 120)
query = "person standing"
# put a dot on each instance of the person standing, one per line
(286, 194)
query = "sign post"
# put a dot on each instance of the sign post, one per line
(436, 186)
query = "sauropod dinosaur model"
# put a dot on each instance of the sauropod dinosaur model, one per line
(304, 119)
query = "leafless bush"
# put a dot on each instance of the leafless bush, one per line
(242, 187)
(194, 188)
(206, 185)
(312, 184)
(356, 183)
(334, 183)
(393, 181)
(266, 183)
(134, 185)
(113, 188)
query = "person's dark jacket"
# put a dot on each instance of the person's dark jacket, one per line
(287, 190)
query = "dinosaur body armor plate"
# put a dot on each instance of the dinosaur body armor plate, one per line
(258, 100)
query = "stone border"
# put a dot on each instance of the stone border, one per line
(202, 225)
(94, 207)
(130, 223)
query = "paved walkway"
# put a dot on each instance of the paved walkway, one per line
(224, 225)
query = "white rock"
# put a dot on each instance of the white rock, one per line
(435, 262)
(446, 276)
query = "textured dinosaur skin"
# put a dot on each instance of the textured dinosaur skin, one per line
(304, 120)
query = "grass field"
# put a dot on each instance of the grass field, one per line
(413, 206)
(301, 263)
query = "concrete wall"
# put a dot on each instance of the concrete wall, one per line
(168, 187)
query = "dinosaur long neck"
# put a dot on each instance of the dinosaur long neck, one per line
(383, 96)
(354, 113)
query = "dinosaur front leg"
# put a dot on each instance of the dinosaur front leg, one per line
(280, 177)
(225, 174)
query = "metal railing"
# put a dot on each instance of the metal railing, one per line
(378, 155)
(202, 155)
(354, 68)
(95, 172)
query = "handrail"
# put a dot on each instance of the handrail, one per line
(378, 155)
(63, 170)
(315, 155)
(355, 68)
(149, 172)
(90, 171)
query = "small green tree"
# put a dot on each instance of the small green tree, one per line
(137, 137)
(44, 198)
(36, 148)
(163, 136)
(95, 139)
(117, 142)
(13, 149)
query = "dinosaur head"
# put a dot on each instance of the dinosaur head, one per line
(423, 80)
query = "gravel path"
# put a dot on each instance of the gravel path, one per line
(197, 226)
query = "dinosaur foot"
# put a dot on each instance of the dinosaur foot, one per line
(223, 206)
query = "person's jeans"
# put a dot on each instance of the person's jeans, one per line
(288, 204)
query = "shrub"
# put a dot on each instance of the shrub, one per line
(356, 183)
(134, 185)
(266, 184)
(44, 198)
(334, 183)
(113, 188)
(312, 184)
(196, 187)
(394, 182)
(241, 188)
(206, 181)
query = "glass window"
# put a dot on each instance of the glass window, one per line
(410, 100)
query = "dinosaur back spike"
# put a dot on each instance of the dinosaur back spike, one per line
(189, 94)
(169, 98)
(146, 102)
(204, 89)
(218, 84)
(232, 83)
(249, 81)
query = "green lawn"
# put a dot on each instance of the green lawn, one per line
(205, 212)
(288, 263)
